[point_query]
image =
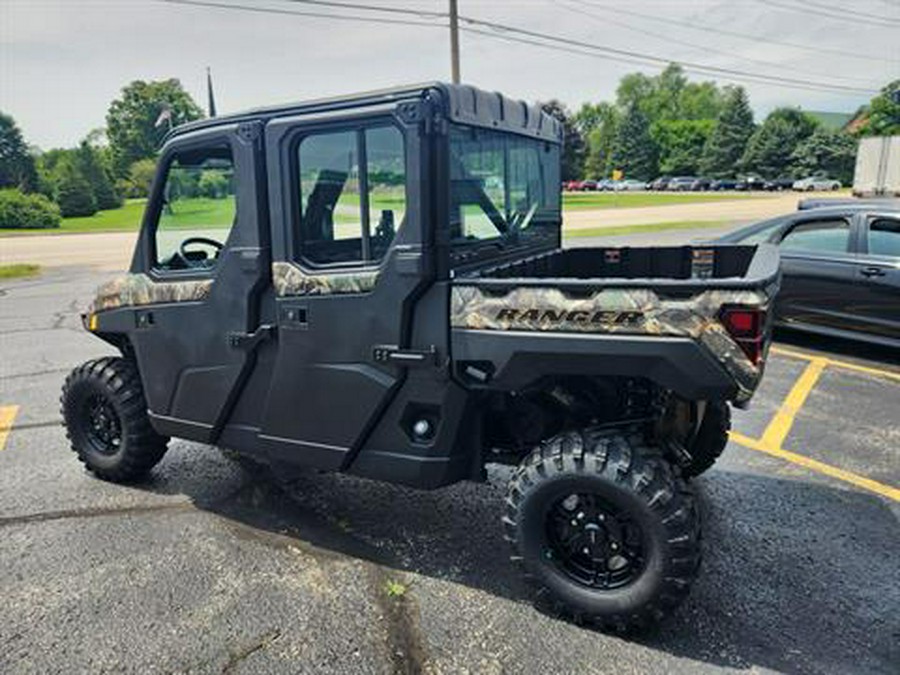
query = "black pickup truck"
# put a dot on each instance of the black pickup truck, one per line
(377, 287)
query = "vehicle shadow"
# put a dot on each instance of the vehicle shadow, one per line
(797, 576)
(837, 347)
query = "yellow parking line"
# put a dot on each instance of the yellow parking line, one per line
(819, 467)
(868, 370)
(7, 416)
(779, 427)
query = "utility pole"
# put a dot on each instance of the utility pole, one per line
(454, 42)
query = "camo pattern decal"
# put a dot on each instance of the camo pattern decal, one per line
(289, 280)
(139, 289)
(626, 311)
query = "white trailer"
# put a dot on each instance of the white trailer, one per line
(877, 170)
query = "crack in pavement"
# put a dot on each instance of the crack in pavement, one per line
(35, 373)
(94, 512)
(37, 425)
(406, 646)
(261, 642)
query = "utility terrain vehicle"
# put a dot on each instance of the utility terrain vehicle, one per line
(375, 285)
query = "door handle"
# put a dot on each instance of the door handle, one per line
(872, 272)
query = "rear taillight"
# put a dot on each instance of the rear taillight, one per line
(747, 326)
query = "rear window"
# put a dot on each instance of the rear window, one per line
(884, 237)
(818, 236)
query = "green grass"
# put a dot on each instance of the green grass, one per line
(580, 201)
(19, 271)
(643, 228)
(395, 589)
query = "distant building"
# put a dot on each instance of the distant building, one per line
(833, 121)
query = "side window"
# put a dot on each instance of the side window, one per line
(819, 236)
(352, 194)
(198, 210)
(884, 237)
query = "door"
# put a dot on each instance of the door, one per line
(878, 274)
(348, 268)
(202, 257)
(819, 272)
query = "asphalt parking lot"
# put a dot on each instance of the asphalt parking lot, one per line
(208, 569)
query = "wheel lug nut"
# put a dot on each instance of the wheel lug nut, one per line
(574, 522)
(585, 550)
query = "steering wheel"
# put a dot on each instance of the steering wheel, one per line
(185, 255)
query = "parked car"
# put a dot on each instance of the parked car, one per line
(630, 185)
(701, 184)
(840, 270)
(586, 185)
(570, 185)
(661, 183)
(778, 184)
(813, 183)
(607, 184)
(681, 183)
(750, 183)
(723, 184)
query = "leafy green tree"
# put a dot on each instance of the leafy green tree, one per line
(769, 150)
(90, 164)
(573, 142)
(140, 178)
(17, 167)
(131, 123)
(884, 113)
(729, 136)
(213, 184)
(73, 191)
(681, 144)
(669, 96)
(830, 152)
(600, 142)
(634, 152)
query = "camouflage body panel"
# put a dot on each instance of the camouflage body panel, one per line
(289, 280)
(623, 311)
(139, 289)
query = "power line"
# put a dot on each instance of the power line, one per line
(504, 31)
(374, 8)
(844, 15)
(845, 11)
(693, 45)
(743, 36)
(686, 64)
(319, 15)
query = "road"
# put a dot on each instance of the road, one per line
(207, 569)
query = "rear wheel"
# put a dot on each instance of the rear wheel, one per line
(603, 524)
(105, 415)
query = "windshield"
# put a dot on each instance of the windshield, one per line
(504, 188)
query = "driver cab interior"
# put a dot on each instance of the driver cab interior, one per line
(197, 210)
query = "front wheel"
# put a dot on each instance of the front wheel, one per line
(105, 415)
(603, 524)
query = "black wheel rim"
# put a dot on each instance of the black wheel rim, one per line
(102, 426)
(594, 543)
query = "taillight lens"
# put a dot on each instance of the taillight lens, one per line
(747, 326)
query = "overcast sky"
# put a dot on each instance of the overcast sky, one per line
(62, 62)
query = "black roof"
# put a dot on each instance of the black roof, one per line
(461, 103)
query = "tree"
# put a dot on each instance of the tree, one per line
(600, 141)
(73, 192)
(17, 167)
(681, 144)
(131, 123)
(634, 151)
(573, 141)
(90, 166)
(769, 150)
(140, 178)
(669, 96)
(884, 113)
(829, 152)
(729, 136)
